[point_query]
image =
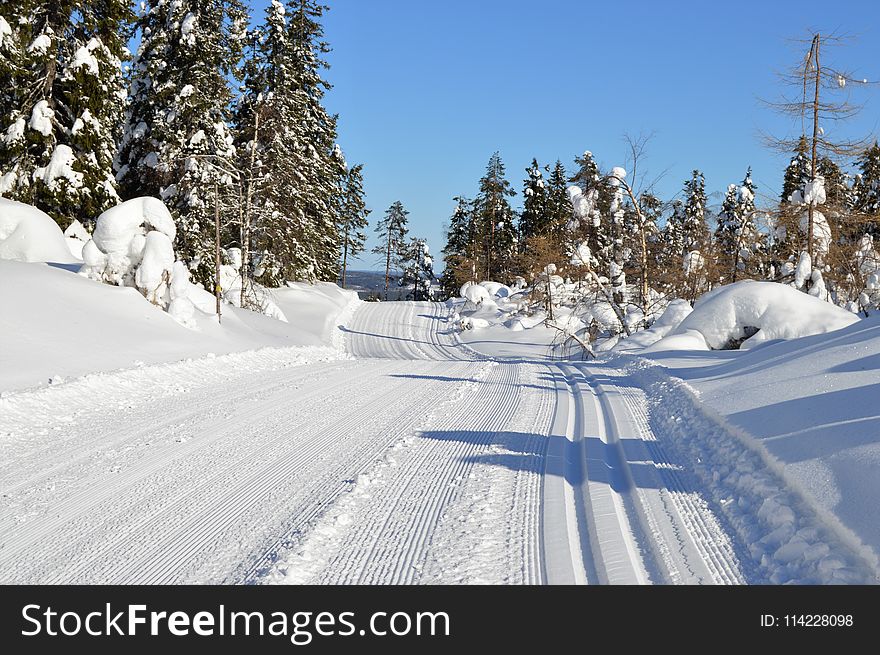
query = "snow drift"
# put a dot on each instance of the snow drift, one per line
(748, 313)
(29, 235)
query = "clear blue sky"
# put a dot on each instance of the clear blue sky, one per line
(427, 91)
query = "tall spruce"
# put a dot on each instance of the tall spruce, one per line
(535, 218)
(353, 215)
(736, 236)
(866, 189)
(695, 231)
(458, 253)
(495, 221)
(177, 143)
(558, 204)
(61, 103)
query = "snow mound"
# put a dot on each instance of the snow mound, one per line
(671, 318)
(29, 235)
(749, 313)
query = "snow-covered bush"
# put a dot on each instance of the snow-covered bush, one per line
(747, 313)
(29, 235)
(132, 246)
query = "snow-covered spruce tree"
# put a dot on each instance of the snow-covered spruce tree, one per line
(534, 219)
(287, 145)
(495, 222)
(559, 208)
(866, 189)
(417, 269)
(177, 140)
(458, 254)
(392, 230)
(736, 234)
(589, 226)
(695, 231)
(61, 104)
(353, 214)
(321, 166)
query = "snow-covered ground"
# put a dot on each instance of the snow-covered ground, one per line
(57, 325)
(378, 443)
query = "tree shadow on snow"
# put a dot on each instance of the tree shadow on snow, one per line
(589, 459)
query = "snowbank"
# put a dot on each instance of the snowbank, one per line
(748, 313)
(29, 235)
(808, 406)
(63, 325)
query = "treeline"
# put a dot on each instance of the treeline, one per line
(210, 113)
(596, 225)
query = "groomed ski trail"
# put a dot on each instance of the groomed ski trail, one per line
(411, 459)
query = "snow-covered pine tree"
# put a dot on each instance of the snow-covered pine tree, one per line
(695, 231)
(61, 104)
(736, 234)
(596, 229)
(535, 219)
(866, 190)
(321, 166)
(353, 214)
(673, 232)
(797, 173)
(177, 142)
(559, 209)
(495, 221)
(458, 254)
(392, 230)
(417, 269)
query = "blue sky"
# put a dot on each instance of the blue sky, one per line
(427, 91)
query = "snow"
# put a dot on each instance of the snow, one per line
(15, 131)
(5, 30)
(60, 167)
(188, 29)
(821, 231)
(41, 118)
(84, 57)
(29, 235)
(64, 324)
(671, 318)
(730, 313)
(806, 407)
(41, 44)
(153, 274)
(76, 230)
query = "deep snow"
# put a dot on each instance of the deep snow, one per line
(56, 324)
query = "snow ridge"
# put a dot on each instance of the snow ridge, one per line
(787, 538)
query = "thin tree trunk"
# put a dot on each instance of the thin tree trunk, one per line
(344, 257)
(217, 248)
(246, 222)
(387, 263)
(816, 42)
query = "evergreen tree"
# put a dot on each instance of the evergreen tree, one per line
(673, 233)
(458, 254)
(417, 269)
(535, 218)
(287, 143)
(61, 104)
(736, 236)
(352, 217)
(695, 231)
(866, 189)
(596, 229)
(176, 133)
(392, 230)
(559, 208)
(494, 221)
(797, 173)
